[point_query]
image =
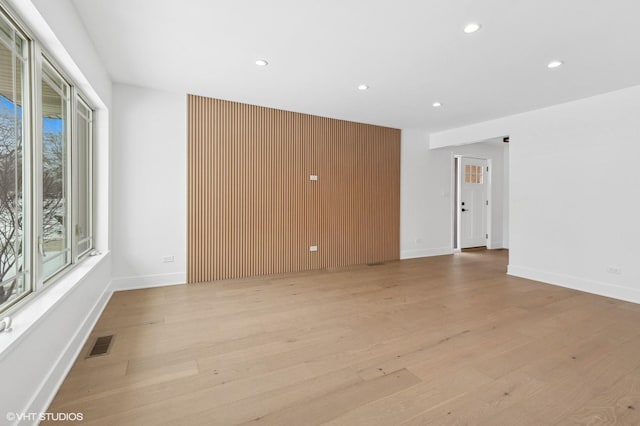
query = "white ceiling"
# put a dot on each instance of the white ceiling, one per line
(410, 52)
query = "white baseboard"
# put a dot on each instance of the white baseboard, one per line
(496, 246)
(58, 373)
(415, 253)
(44, 396)
(576, 283)
(148, 281)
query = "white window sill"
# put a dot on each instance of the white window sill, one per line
(36, 306)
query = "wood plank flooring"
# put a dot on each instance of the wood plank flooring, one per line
(448, 340)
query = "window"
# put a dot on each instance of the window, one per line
(56, 247)
(13, 79)
(473, 174)
(84, 177)
(46, 149)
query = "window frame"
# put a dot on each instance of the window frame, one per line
(32, 141)
(27, 169)
(68, 160)
(76, 253)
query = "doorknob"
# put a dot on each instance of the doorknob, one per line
(464, 210)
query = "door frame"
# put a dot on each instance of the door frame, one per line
(456, 172)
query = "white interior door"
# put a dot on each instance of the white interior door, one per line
(472, 211)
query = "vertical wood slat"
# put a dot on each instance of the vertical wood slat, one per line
(252, 209)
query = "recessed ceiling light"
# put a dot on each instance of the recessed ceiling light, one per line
(472, 27)
(262, 63)
(436, 104)
(363, 87)
(554, 64)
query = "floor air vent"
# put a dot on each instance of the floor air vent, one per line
(101, 346)
(375, 263)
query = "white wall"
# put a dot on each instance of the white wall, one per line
(425, 197)
(47, 335)
(573, 197)
(149, 186)
(505, 198)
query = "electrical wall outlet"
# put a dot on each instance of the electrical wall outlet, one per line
(167, 259)
(313, 177)
(313, 248)
(614, 270)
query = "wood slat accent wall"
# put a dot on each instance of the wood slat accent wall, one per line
(252, 209)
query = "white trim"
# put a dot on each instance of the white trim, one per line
(576, 283)
(415, 253)
(148, 281)
(455, 197)
(33, 308)
(489, 204)
(51, 384)
(36, 322)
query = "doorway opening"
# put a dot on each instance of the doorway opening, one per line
(494, 175)
(472, 206)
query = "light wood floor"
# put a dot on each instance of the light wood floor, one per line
(443, 340)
